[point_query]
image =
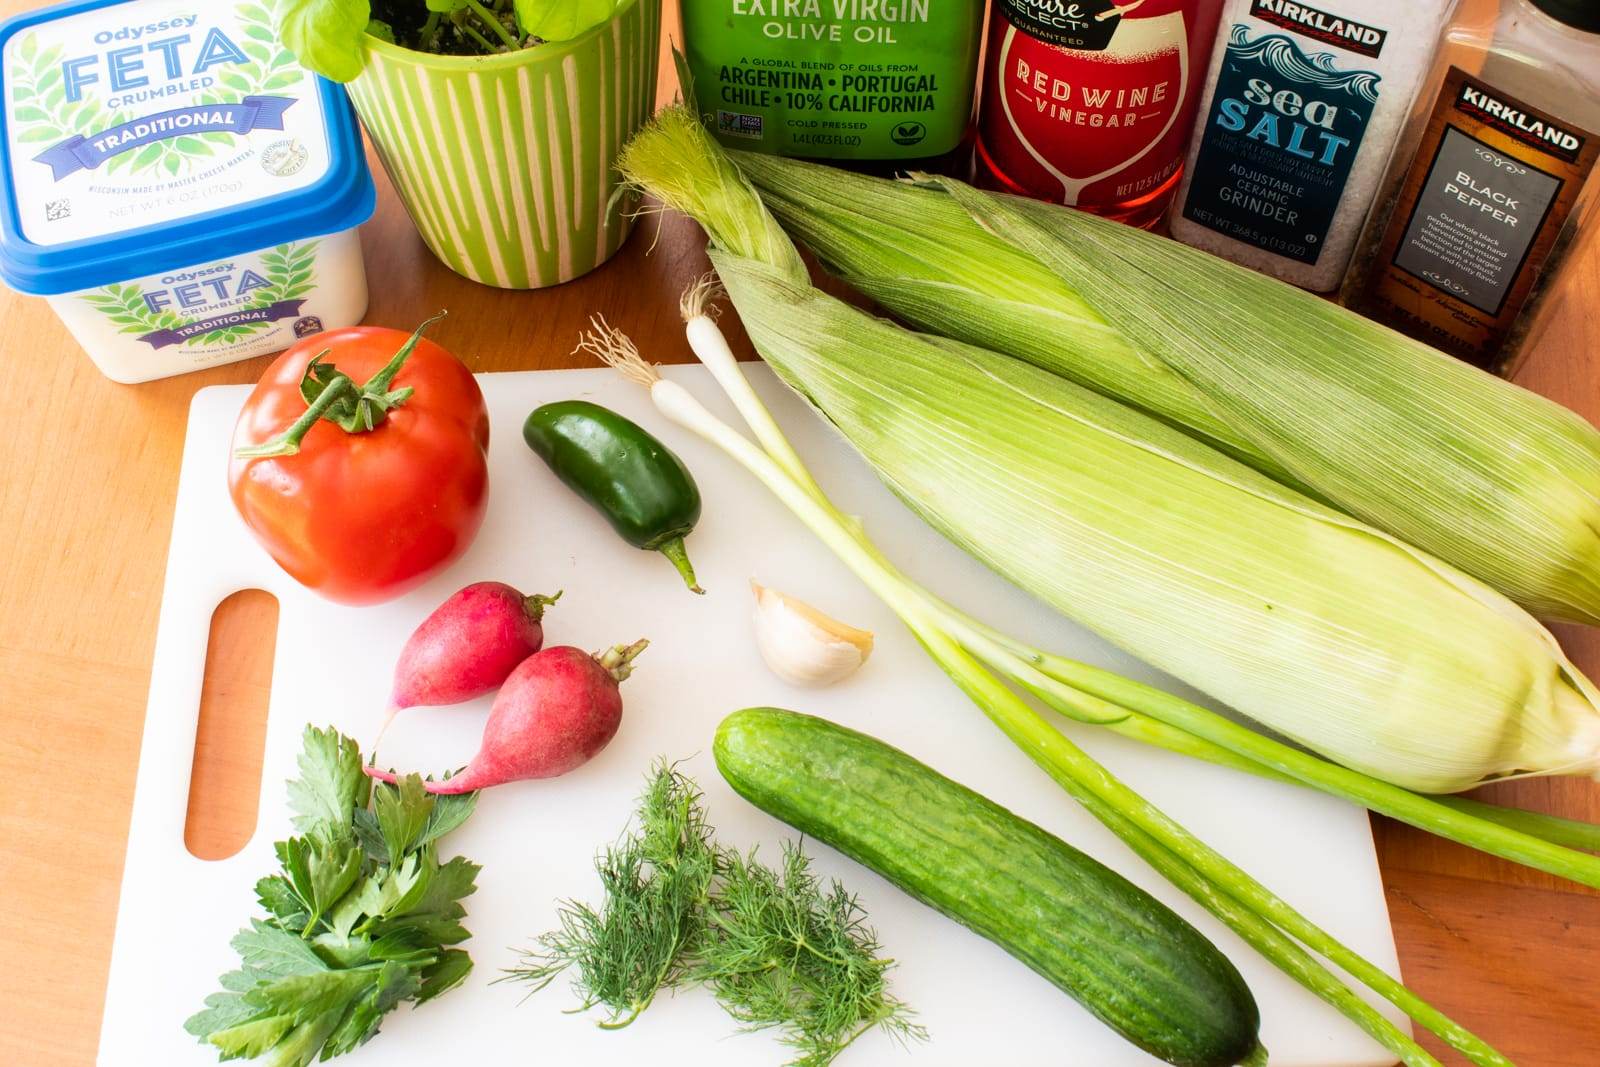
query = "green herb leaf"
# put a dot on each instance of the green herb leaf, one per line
(394, 983)
(326, 35)
(450, 810)
(450, 971)
(341, 921)
(403, 811)
(330, 786)
(781, 952)
(369, 836)
(450, 884)
(278, 897)
(253, 1038)
(268, 952)
(334, 869)
(561, 20)
(319, 872)
(406, 945)
(223, 1011)
(306, 997)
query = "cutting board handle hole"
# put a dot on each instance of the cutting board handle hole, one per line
(230, 741)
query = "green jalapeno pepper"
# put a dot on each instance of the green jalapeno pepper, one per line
(635, 481)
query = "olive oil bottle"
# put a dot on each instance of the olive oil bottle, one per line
(877, 85)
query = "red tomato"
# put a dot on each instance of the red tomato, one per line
(362, 517)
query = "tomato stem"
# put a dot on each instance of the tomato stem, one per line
(288, 442)
(334, 396)
(380, 382)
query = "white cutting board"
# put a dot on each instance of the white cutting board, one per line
(536, 840)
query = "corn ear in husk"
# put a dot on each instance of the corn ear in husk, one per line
(1485, 475)
(1334, 634)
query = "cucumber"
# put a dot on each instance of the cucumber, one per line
(1115, 949)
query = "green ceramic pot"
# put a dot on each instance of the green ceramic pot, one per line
(505, 162)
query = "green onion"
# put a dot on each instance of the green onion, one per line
(1491, 478)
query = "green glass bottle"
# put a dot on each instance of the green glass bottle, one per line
(872, 84)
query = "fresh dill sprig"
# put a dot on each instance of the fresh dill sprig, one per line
(777, 948)
(657, 882)
(781, 951)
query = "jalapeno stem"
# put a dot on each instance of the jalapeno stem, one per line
(679, 556)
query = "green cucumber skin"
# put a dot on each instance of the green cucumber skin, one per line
(1122, 954)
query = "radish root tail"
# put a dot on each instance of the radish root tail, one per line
(614, 348)
(700, 299)
(388, 718)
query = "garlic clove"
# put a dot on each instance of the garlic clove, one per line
(803, 646)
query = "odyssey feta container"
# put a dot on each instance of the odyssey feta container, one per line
(175, 185)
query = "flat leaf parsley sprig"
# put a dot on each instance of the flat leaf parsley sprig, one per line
(361, 916)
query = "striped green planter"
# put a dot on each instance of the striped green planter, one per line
(505, 162)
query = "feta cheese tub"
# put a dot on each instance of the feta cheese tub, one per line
(177, 187)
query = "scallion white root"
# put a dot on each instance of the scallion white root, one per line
(699, 310)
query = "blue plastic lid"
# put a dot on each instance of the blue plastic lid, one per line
(144, 136)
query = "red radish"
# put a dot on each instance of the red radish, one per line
(467, 647)
(557, 710)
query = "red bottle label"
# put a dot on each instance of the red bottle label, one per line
(1091, 103)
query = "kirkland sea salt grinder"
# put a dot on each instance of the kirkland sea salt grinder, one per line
(1303, 105)
(1492, 185)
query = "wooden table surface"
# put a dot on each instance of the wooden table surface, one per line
(88, 472)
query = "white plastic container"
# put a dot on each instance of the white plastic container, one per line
(181, 191)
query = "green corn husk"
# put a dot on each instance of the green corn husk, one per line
(1332, 633)
(1485, 475)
